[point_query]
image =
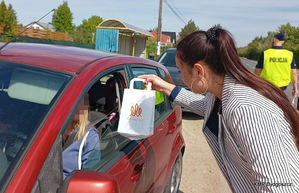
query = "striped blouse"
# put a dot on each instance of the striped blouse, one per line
(255, 148)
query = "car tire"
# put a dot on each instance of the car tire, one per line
(174, 180)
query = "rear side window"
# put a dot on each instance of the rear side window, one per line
(163, 75)
(161, 100)
(168, 59)
(104, 98)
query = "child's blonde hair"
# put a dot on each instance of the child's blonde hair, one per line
(82, 124)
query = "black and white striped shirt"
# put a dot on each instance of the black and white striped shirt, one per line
(255, 148)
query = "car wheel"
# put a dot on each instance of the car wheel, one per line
(174, 180)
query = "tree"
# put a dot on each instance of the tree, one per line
(151, 47)
(92, 23)
(62, 19)
(259, 44)
(84, 32)
(13, 13)
(291, 32)
(254, 50)
(8, 19)
(188, 29)
(3, 10)
(217, 26)
(153, 29)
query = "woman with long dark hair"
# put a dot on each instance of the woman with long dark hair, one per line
(250, 124)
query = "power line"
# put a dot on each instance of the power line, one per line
(177, 9)
(174, 12)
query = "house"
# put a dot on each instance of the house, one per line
(165, 39)
(172, 36)
(41, 25)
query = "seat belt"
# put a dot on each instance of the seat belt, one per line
(71, 138)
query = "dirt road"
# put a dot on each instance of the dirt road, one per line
(200, 171)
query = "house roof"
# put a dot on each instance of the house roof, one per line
(43, 25)
(164, 37)
(123, 27)
(171, 34)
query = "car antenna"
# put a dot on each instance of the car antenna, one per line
(12, 39)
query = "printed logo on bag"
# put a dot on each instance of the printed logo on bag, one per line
(136, 110)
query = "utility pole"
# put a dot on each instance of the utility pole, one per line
(159, 32)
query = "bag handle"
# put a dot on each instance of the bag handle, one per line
(149, 84)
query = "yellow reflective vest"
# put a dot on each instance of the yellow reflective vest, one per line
(277, 67)
(159, 97)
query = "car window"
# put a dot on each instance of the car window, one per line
(111, 142)
(160, 101)
(26, 96)
(103, 141)
(168, 59)
(163, 75)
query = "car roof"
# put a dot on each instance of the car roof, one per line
(62, 58)
(170, 50)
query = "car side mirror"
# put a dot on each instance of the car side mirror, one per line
(80, 181)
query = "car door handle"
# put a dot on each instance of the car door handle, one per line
(172, 129)
(137, 172)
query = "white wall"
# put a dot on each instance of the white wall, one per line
(35, 26)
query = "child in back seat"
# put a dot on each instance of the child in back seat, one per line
(83, 140)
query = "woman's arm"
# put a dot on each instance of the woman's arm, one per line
(182, 97)
(158, 83)
(194, 102)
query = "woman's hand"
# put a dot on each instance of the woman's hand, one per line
(295, 92)
(158, 84)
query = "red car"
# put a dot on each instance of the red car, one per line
(40, 88)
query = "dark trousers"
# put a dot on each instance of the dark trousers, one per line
(283, 88)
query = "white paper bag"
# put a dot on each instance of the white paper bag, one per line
(137, 112)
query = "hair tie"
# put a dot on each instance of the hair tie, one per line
(211, 34)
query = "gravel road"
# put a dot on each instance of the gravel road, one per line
(201, 173)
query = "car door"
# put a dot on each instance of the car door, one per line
(121, 157)
(116, 150)
(140, 165)
(159, 146)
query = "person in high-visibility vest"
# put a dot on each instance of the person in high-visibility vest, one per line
(277, 65)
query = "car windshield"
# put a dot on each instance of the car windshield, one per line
(26, 96)
(168, 59)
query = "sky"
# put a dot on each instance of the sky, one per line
(244, 19)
